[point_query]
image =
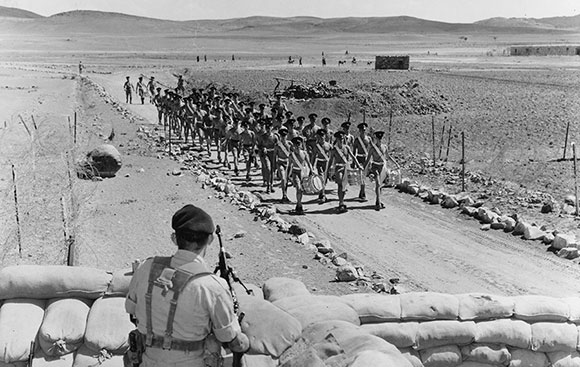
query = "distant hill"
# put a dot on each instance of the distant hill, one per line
(562, 23)
(107, 23)
(6, 12)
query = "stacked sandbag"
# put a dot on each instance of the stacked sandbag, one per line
(20, 320)
(271, 331)
(108, 326)
(280, 287)
(52, 281)
(63, 328)
(43, 360)
(120, 280)
(85, 357)
(308, 309)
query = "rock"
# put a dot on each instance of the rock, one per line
(325, 250)
(297, 230)
(140, 170)
(346, 273)
(240, 234)
(570, 199)
(486, 216)
(203, 177)
(533, 233)
(568, 209)
(176, 172)
(434, 197)
(497, 225)
(303, 238)
(467, 201)
(564, 240)
(485, 227)
(230, 189)
(547, 207)
(548, 238)
(568, 253)
(510, 224)
(469, 210)
(424, 195)
(339, 261)
(413, 189)
(103, 161)
(127, 175)
(449, 202)
(520, 228)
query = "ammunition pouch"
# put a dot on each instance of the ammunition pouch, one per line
(136, 348)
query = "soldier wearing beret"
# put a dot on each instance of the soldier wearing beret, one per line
(128, 88)
(376, 165)
(340, 159)
(360, 150)
(300, 168)
(181, 308)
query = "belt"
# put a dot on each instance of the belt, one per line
(176, 344)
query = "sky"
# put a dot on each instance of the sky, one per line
(452, 11)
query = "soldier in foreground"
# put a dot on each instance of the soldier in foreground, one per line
(376, 165)
(181, 309)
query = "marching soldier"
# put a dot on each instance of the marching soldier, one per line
(141, 89)
(151, 88)
(377, 158)
(248, 140)
(181, 309)
(360, 150)
(320, 160)
(128, 88)
(266, 142)
(309, 132)
(282, 153)
(340, 158)
(329, 132)
(300, 168)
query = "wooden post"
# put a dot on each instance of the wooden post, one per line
(64, 224)
(462, 161)
(25, 126)
(433, 135)
(34, 122)
(169, 140)
(75, 129)
(442, 140)
(390, 128)
(575, 178)
(448, 141)
(18, 233)
(566, 139)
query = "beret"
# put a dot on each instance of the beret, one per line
(345, 124)
(300, 118)
(379, 134)
(261, 105)
(192, 219)
(297, 139)
(325, 120)
(362, 124)
(283, 130)
(289, 122)
(313, 115)
(289, 113)
(321, 132)
(339, 134)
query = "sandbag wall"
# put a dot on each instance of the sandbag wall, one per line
(429, 329)
(72, 316)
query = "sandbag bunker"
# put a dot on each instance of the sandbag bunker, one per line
(75, 316)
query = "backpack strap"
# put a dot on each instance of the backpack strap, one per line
(159, 263)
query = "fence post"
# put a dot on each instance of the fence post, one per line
(575, 179)
(18, 233)
(462, 161)
(566, 139)
(433, 135)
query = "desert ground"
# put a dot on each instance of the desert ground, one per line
(513, 111)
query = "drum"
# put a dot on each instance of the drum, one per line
(353, 177)
(312, 185)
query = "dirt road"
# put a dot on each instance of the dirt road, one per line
(427, 247)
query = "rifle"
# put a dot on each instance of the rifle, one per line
(229, 275)
(31, 355)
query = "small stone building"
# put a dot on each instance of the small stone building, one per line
(545, 50)
(392, 62)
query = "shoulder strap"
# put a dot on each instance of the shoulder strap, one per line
(362, 145)
(159, 263)
(341, 154)
(180, 280)
(283, 148)
(321, 151)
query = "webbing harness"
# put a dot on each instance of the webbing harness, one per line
(163, 276)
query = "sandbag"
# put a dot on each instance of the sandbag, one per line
(240, 291)
(42, 360)
(355, 340)
(318, 331)
(258, 361)
(494, 354)
(287, 303)
(380, 359)
(429, 306)
(400, 334)
(372, 307)
(479, 306)
(528, 358)
(540, 308)
(63, 328)
(412, 356)
(574, 307)
(564, 359)
(119, 285)
(105, 160)
(553, 337)
(271, 331)
(108, 326)
(84, 357)
(475, 364)
(279, 287)
(20, 320)
(515, 333)
(311, 309)
(445, 356)
(301, 354)
(15, 364)
(52, 281)
(444, 332)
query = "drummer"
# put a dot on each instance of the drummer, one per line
(300, 168)
(360, 150)
(282, 153)
(377, 157)
(340, 157)
(320, 160)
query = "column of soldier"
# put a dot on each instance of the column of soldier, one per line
(297, 152)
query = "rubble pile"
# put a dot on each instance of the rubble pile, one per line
(311, 91)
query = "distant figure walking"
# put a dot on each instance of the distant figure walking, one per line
(180, 85)
(80, 67)
(128, 87)
(141, 89)
(197, 58)
(233, 57)
(300, 60)
(323, 61)
(204, 58)
(151, 89)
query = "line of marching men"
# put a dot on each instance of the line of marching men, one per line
(296, 150)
